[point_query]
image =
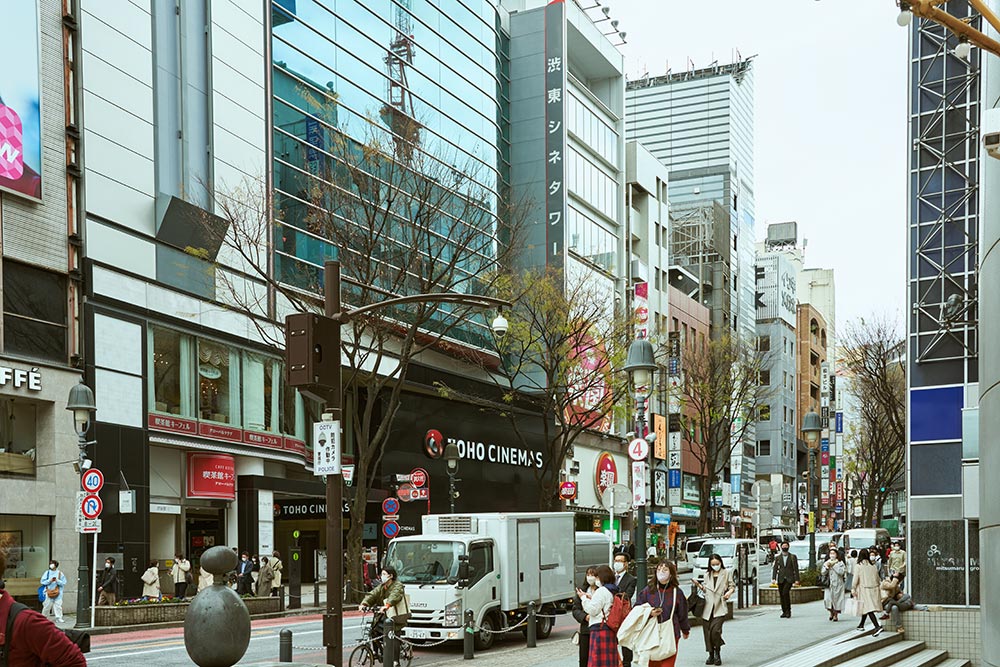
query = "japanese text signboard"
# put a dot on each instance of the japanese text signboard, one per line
(555, 131)
(211, 476)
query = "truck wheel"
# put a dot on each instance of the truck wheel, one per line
(485, 637)
(543, 626)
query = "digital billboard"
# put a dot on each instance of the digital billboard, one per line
(20, 108)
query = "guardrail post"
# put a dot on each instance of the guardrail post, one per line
(316, 594)
(389, 643)
(469, 636)
(532, 629)
(285, 645)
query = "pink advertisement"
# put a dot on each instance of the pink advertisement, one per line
(20, 104)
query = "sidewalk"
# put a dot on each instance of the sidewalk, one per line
(754, 637)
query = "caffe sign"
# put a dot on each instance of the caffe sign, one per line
(20, 378)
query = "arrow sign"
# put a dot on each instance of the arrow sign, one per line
(92, 480)
(91, 507)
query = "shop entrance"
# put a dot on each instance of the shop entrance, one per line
(309, 543)
(203, 529)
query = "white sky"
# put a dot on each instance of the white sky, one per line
(831, 122)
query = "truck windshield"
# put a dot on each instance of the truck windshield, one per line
(425, 562)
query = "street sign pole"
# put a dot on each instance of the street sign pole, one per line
(333, 619)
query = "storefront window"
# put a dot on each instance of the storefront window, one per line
(218, 383)
(17, 437)
(170, 372)
(25, 543)
(261, 392)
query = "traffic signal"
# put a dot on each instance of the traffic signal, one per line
(881, 489)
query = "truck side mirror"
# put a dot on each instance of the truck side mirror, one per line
(463, 571)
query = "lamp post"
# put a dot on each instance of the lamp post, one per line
(640, 366)
(322, 378)
(811, 428)
(81, 404)
(451, 458)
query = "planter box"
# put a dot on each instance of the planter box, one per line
(170, 612)
(800, 595)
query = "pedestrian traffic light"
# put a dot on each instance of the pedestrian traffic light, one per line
(881, 489)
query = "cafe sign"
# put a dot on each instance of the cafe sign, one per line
(20, 378)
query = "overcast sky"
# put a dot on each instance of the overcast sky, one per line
(831, 122)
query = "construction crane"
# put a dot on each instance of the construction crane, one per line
(968, 36)
(397, 112)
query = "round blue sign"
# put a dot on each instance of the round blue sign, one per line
(390, 529)
(390, 506)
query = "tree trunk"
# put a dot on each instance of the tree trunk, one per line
(705, 489)
(354, 545)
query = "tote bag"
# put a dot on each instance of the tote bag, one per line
(668, 643)
(851, 607)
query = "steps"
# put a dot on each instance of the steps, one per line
(857, 649)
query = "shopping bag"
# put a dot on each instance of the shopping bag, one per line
(852, 607)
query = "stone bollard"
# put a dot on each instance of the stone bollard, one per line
(469, 636)
(285, 645)
(217, 625)
(532, 627)
(390, 644)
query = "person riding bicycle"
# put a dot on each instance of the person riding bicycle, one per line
(389, 598)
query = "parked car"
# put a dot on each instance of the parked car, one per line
(726, 548)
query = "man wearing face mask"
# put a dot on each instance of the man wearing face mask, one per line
(54, 581)
(626, 588)
(581, 616)
(388, 595)
(785, 575)
(244, 580)
(109, 584)
(897, 563)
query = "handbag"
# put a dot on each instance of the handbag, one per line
(575, 638)
(52, 592)
(852, 607)
(668, 643)
(41, 593)
(696, 604)
(400, 612)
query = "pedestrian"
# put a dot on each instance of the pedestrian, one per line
(897, 563)
(785, 574)
(851, 561)
(255, 574)
(836, 572)
(32, 639)
(902, 602)
(205, 579)
(866, 591)
(664, 595)
(181, 574)
(108, 590)
(718, 587)
(389, 594)
(589, 586)
(54, 581)
(265, 578)
(277, 567)
(151, 581)
(597, 605)
(244, 580)
(626, 584)
(876, 560)
(888, 589)
(772, 546)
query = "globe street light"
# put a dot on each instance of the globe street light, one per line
(451, 458)
(812, 425)
(640, 366)
(81, 404)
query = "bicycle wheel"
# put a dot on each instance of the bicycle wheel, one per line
(405, 655)
(361, 656)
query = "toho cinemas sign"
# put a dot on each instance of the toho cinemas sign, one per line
(477, 450)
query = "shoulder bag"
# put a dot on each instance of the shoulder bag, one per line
(400, 612)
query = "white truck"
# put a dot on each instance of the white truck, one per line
(492, 564)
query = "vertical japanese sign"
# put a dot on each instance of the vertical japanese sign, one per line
(660, 444)
(555, 131)
(20, 102)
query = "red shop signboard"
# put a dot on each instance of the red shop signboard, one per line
(211, 476)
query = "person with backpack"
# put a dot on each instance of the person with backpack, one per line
(664, 595)
(27, 638)
(53, 582)
(599, 606)
(718, 588)
(181, 574)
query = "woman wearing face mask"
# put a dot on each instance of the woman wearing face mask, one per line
(718, 588)
(597, 605)
(833, 596)
(390, 594)
(151, 581)
(665, 597)
(581, 616)
(54, 581)
(866, 591)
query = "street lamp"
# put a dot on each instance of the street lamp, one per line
(640, 366)
(811, 427)
(451, 458)
(81, 404)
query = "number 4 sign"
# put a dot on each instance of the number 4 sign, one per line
(638, 449)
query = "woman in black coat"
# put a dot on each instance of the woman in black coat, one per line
(589, 586)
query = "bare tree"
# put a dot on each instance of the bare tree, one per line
(876, 441)
(557, 368)
(400, 224)
(721, 398)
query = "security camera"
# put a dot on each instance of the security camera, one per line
(991, 142)
(651, 438)
(500, 325)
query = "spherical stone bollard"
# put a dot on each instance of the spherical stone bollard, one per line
(217, 625)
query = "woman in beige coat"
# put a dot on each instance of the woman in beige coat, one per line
(866, 591)
(718, 587)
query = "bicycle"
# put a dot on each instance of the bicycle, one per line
(369, 653)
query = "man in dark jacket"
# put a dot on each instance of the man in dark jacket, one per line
(108, 588)
(785, 575)
(626, 587)
(34, 639)
(244, 579)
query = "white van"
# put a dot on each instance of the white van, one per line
(862, 538)
(726, 549)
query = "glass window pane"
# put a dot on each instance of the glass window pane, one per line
(218, 383)
(165, 372)
(258, 393)
(17, 437)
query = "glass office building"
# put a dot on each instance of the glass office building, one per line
(424, 82)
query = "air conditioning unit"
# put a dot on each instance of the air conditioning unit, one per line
(640, 271)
